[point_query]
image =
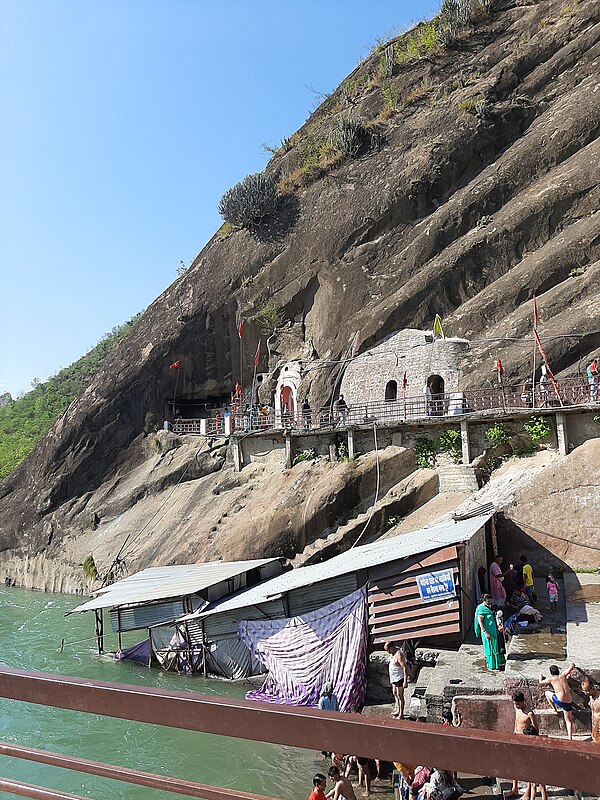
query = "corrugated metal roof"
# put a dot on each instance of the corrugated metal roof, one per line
(158, 583)
(369, 555)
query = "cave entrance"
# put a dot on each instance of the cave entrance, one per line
(434, 391)
(195, 407)
(391, 391)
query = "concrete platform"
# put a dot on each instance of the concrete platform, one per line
(582, 592)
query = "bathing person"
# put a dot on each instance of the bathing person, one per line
(561, 698)
(398, 670)
(594, 696)
(319, 785)
(523, 716)
(342, 789)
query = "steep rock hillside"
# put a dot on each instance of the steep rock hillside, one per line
(483, 190)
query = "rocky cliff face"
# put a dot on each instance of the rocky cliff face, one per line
(483, 191)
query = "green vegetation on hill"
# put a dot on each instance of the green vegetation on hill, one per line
(26, 420)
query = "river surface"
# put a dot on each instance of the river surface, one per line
(32, 625)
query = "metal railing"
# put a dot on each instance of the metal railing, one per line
(554, 762)
(505, 399)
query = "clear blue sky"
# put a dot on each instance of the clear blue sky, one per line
(122, 123)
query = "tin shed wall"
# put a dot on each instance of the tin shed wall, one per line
(145, 616)
(310, 598)
(396, 610)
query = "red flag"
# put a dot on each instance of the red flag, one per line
(404, 382)
(499, 367)
(175, 365)
(241, 328)
(257, 356)
(535, 313)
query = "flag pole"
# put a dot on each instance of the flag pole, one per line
(535, 322)
(256, 357)
(175, 394)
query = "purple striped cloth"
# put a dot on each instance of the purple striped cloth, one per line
(305, 652)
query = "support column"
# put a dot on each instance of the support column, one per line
(288, 450)
(203, 426)
(351, 451)
(465, 442)
(227, 424)
(236, 447)
(562, 434)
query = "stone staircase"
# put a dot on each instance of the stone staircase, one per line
(404, 496)
(457, 478)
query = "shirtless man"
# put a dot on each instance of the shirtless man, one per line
(398, 670)
(524, 716)
(342, 789)
(592, 692)
(561, 699)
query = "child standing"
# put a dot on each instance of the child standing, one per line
(552, 587)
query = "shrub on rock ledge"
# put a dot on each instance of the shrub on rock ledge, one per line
(250, 201)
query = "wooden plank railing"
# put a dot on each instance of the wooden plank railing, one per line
(555, 762)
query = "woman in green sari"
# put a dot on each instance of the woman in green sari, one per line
(487, 631)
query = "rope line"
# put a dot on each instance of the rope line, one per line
(555, 536)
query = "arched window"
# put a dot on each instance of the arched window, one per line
(391, 390)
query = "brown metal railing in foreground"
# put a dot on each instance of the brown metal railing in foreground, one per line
(551, 761)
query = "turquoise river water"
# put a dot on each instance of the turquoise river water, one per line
(32, 625)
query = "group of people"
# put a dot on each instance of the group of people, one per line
(411, 782)
(513, 588)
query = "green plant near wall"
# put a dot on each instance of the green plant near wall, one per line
(90, 572)
(449, 442)
(425, 452)
(269, 316)
(306, 455)
(497, 434)
(538, 428)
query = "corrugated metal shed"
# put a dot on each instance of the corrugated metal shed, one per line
(395, 607)
(365, 557)
(305, 599)
(158, 583)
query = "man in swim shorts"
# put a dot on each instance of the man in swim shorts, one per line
(561, 698)
(398, 670)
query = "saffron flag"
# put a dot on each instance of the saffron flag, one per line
(241, 328)
(437, 327)
(535, 313)
(499, 368)
(548, 370)
(257, 356)
(175, 365)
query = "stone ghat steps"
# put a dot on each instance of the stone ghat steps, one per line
(403, 497)
(496, 712)
(457, 478)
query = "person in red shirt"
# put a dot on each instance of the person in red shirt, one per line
(319, 783)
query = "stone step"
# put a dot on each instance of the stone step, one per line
(496, 712)
(457, 478)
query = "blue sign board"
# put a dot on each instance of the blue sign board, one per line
(436, 585)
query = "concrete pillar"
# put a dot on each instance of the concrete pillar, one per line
(465, 442)
(351, 451)
(236, 446)
(288, 450)
(562, 435)
(227, 419)
(203, 426)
